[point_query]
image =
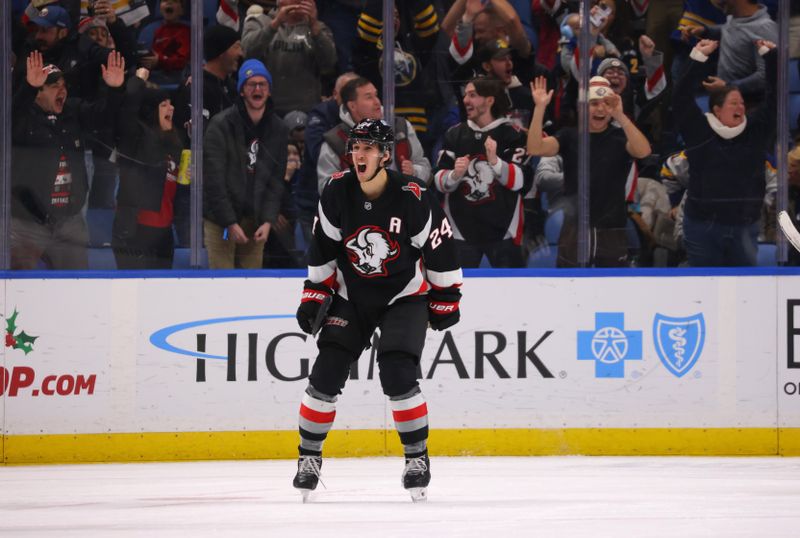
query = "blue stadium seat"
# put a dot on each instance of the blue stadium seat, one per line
(543, 257)
(794, 76)
(794, 110)
(99, 222)
(102, 259)
(767, 255)
(145, 37)
(182, 259)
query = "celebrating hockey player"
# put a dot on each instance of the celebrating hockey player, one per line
(482, 171)
(382, 256)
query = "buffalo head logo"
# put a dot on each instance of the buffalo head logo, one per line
(478, 181)
(369, 249)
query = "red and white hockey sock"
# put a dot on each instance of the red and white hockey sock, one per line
(410, 414)
(316, 420)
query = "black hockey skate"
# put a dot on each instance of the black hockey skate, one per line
(307, 477)
(417, 476)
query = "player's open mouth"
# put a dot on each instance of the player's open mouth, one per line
(361, 168)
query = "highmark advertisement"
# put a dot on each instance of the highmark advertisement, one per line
(199, 355)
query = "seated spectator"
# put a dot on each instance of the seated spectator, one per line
(610, 153)
(297, 49)
(172, 43)
(244, 163)
(48, 170)
(149, 150)
(725, 152)
(483, 173)
(359, 102)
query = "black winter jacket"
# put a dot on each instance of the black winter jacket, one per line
(225, 161)
(726, 177)
(39, 140)
(143, 155)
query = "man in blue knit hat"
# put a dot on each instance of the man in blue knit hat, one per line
(244, 160)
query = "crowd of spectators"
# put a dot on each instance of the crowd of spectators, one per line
(682, 116)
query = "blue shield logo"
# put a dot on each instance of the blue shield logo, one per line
(679, 341)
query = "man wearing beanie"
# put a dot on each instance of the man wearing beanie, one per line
(640, 95)
(244, 162)
(223, 54)
(611, 149)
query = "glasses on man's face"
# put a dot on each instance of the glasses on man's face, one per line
(255, 85)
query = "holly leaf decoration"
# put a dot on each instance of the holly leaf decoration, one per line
(25, 342)
(21, 340)
(11, 322)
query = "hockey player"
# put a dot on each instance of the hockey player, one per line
(483, 173)
(381, 255)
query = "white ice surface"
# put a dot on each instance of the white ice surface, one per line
(487, 497)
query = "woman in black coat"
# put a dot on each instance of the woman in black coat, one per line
(149, 152)
(726, 149)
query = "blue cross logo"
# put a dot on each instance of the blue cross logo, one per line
(609, 345)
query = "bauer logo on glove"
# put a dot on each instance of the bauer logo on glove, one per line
(314, 304)
(313, 295)
(443, 311)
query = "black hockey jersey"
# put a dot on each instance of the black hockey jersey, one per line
(485, 204)
(374, 252)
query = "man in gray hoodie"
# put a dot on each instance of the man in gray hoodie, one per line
(297, 49)
(739, 62)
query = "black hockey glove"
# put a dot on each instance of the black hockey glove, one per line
(314, 305)
(443, 309)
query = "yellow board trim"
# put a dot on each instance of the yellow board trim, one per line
(182, 446)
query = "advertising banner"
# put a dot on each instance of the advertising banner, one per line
(199, 355)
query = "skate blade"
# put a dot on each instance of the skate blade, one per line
(418, 494)
(306, 494)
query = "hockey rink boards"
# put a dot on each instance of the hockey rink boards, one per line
(204, 368)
